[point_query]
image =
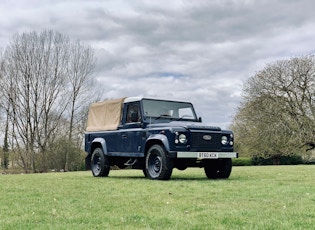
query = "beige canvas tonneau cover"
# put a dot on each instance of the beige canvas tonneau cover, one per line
(105, 115)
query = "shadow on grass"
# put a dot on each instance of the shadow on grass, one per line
(175, 178)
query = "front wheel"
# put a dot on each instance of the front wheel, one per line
(158, 165)
(99, 163)
(218, 169)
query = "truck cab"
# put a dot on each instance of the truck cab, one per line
(155, 136)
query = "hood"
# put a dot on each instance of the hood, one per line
(186, 125)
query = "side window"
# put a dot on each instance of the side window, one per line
(133, 113)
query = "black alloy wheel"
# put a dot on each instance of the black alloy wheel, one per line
(99, 163)
(158, 165)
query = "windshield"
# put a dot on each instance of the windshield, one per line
(168, 110)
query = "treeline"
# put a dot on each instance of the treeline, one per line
(277, 115)
(46, 87)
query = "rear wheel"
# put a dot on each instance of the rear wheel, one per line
(158, 165)
(218, 169)
(99, 163)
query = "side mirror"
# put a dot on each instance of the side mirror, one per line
(200, 119)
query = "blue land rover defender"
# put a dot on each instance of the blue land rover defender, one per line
(154, 136)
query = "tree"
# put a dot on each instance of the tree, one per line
(81, 63)
(5, 149)
(44, 76)
(277, 115)
(80, 66)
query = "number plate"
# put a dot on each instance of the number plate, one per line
(208, 155)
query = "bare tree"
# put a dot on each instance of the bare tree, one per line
(44, 76)
(5, 150)
(278, 110)
(81, 63)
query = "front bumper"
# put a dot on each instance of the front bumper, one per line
(207, 155)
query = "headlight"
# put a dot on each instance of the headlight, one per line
(224, 140)
(182, 138)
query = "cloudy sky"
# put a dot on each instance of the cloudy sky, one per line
(198, 51)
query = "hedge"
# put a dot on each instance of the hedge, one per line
(242, 161)
(255, 160)
(282, 160)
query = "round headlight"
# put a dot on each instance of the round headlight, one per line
(182, 138)
(224, 140)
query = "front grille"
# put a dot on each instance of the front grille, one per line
(198, 143)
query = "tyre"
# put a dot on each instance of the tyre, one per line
(99, 163)
(158, 165)
(225, 168)
(211, 169)
(218, 169)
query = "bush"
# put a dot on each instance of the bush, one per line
(242, 161)
(282, 160)
(309, 162)
(65, 155)
(291, 160)
(309, 157)
(258, 160)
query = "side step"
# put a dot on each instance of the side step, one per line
(131, 162)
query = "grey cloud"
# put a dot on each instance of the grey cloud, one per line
(199, 51)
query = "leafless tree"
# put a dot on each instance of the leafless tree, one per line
(81, 63)
(45, 76)
(4, 153)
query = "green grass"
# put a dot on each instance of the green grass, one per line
(265, 197)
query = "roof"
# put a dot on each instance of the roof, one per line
(132, 99)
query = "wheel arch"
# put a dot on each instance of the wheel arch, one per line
(99, 143)
(96, 143)
(159, 139)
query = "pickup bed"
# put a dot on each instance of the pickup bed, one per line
(155, 136)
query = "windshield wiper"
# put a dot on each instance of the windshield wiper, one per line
(182, 117)
(164, 116)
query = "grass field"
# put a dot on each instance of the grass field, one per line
(264, 197)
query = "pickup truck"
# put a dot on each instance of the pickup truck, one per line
(155, 136)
